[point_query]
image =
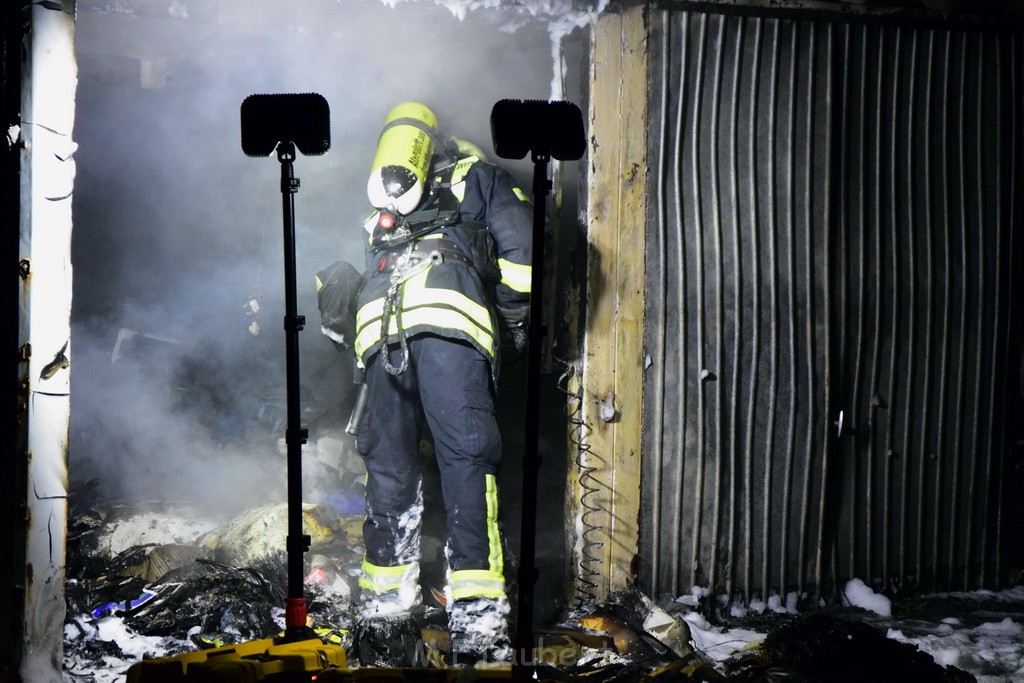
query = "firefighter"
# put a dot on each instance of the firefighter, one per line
(445, 294)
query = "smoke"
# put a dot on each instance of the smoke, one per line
(177, 232)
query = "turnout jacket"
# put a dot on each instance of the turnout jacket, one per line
(480, 277)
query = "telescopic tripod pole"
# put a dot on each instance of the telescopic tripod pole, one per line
(295, 434)
(522, 663)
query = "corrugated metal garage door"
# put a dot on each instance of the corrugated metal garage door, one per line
(828, 270)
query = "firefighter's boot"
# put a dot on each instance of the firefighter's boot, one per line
(389, 641)
(479, 631)
(387, 628)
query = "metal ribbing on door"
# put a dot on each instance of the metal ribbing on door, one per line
(715, 374)
(808, 313)
(654, 464)
(910, 289)
(1011, 271)
(788, 208)
(988, 447)
(860, 198)
(927, 264)
(979, 276)
(773, 290)
(923, 452)
(742, 206)
(833, 237)
(737, 270)
(875, 400)
(682, 415)
(958, 405)
(755, 269)
(891, 269)
(826, 424)
(947, 282)
(699, 308)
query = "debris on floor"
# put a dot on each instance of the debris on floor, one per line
(225, 584)
(202, 590)
(824, 647)
(261, 531)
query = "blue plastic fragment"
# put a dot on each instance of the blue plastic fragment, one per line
(346, 503)
(109, 608)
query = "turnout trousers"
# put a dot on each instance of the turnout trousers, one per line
(451, 382)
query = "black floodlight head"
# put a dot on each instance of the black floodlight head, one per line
(553, 129)
(304, 120)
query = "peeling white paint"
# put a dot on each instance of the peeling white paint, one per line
(50, 78)
(606, 407)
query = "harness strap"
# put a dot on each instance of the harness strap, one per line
(425, 249)
(409, 263)
(421, 246)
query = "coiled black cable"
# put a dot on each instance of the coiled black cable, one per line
(579, 430)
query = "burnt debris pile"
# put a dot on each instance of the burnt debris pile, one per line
(152, 581)
(196, 589)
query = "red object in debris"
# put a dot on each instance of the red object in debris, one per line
(295, 612)
(386, 221)
(318, 575)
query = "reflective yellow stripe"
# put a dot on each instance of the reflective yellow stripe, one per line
(319, 285)
(369, 312)
(484, 583)
(418, 294)
(477, 583)
(462, 167)
(517, 276)
(415, 293)
(436, 316)
(429, 316)
(384, 579)
(495, 559)
(420, 308)
(459, 190)
(366, 339)
(371, 222)
(522, 195)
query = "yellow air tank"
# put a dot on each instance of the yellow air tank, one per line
(400, 166)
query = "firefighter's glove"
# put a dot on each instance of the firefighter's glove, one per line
(513, 324)
(337, 287)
